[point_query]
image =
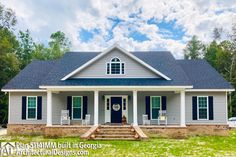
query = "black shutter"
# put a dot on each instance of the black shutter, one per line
(148, 106)
(210, 107)
(23, 115)
(69, 105)
(194, 107)
(85, 106)
(163, 102)
(39, 107)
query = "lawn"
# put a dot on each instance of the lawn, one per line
(194, 146)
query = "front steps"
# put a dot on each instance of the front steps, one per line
(114, 132)
(105, 132)
(119, 132)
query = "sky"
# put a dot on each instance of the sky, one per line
(136, 25)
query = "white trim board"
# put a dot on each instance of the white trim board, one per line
(116, 88)
(210, 90)
(23, 90)
(106, 52)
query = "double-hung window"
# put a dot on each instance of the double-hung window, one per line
(115, 67)
(155, 106)
(76, 107)
(202, 102)
(31, 107)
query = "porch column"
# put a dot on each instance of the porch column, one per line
(49, 108)
(135, 119)
(182, 108)
(95, 107)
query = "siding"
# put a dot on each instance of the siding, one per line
(133, 69)
(219, 108)
(59, 102)
(172, 106)
(16, 110)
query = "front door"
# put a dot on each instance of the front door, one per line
(116, 109)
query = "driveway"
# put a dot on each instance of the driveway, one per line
(3, 131)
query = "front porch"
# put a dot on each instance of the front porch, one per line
(109, 106)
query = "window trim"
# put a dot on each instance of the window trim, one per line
(72, 110)
(151, 106)
(36, 107)
(206, 107)
(110, 63)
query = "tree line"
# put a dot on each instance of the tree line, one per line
(18, 49)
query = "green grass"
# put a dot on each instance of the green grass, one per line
(194, 146)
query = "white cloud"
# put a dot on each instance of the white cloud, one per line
(194, 17)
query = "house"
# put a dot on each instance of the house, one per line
(113, 84)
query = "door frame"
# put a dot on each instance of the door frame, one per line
(107, 116)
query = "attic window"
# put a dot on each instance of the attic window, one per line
(115, 67)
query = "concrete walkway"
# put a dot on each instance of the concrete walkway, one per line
(3, 131)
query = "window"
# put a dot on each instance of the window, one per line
(31, 107)
(203, 108)
(108, 104)
(76, 107)
(124, 104)
(155, 106)
(115, 67)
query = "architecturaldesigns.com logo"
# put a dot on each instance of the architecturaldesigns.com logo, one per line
(7, 148)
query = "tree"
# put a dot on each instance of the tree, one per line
(217, 33)
(194, 49)
(9, 64)
(222, 56)
(58, 45)
(26, 48)
(7, 18)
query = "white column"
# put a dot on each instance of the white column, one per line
(182, 108)
(135, 108)
(95, 107)
(49, 108)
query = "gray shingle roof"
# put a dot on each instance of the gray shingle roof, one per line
(31, 76)
(181, 72)
(202, 75)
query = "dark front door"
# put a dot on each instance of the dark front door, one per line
(116, 109)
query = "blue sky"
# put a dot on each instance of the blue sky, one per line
(134, 24)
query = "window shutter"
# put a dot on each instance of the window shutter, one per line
(194, 107)
(39, 107)
(85, 106)
(23, 115)
(163, 102)
(69, 105)
(210, 107)
(148, 106)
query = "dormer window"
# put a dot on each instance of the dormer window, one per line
(115, 67)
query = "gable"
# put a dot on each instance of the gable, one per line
(133, 69)
(90, 62)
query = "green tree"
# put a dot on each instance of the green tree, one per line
(222, 57)
(26, 48)
(9, 64)
(194, 49)
(58, 45)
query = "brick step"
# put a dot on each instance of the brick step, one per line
(114, 136)
(121, 139)
(118, 129)
(115, 132)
